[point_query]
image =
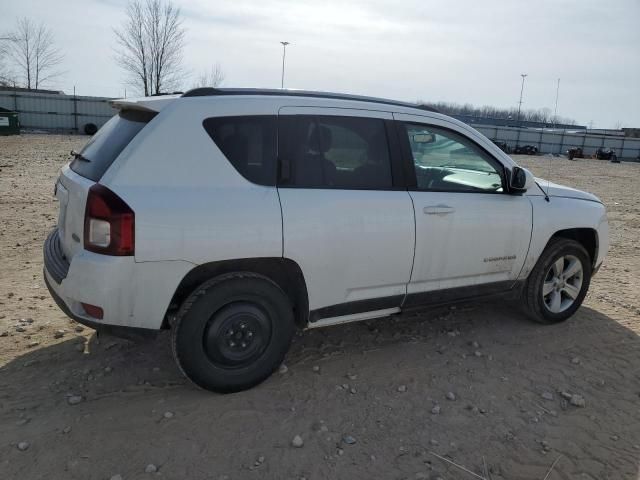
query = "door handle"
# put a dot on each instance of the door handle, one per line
(438, 210)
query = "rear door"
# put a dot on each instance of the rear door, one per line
(347, 219)
(472, 236)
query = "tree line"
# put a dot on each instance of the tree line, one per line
(542, 115)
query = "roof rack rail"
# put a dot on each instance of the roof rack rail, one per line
(211, 91)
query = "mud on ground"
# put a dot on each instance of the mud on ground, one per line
(377, 382)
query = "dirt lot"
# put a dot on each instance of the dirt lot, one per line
(377, 382)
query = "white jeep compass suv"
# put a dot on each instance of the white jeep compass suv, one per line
(236, 216)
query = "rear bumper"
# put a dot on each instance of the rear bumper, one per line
(131, 333)
(133, 295)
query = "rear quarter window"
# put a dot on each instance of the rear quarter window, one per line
(104, 147)
(248, 143)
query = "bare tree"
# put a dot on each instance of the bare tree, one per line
(6, 74)
(210, 78)
(150, 45)
(33, 52)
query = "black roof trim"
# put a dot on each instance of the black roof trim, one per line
(210, 92)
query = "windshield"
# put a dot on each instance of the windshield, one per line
(104, 147)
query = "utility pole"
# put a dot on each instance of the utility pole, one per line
(555, 110)
(523, 75)
(284, 53)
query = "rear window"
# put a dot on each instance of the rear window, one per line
(105, 146)
(249, 143)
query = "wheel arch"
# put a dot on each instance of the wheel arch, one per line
(284, 272)
(587, 237)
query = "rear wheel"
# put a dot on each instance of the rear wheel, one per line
(559, 282)
(233, 332)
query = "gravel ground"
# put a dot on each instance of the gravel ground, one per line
(398, 398)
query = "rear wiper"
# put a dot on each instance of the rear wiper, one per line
(79, 156)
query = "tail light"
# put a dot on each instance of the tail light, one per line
(109, 223)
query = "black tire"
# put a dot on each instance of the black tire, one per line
(214, 360)
(533, 300)
(90, 128)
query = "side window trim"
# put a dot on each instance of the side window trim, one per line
(409, 166)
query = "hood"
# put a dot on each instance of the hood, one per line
(556, 190)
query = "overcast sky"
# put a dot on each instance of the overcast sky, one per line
(464, 51)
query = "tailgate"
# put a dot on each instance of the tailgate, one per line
(71, 191)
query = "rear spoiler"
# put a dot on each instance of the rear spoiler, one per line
(146, 104)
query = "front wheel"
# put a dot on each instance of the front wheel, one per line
(559, 282)
(232, 332)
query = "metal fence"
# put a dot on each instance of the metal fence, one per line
(56, 112)
(70, 113)
(559, 141)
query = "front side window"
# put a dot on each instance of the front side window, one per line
(249, 143)
(447, 161)
(334, 152)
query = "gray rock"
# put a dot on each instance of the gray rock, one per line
(477, 353)
(316, 368)
(319, 427)
(58, 334)
(74, 399)
(451, 396)
(577, 401)
(402, 388)
(108, 369)
(116, 477)
(20, 328)
(547, 395)
(435, 410)
(352, 376)
(66, 430)
(79, 328)
(22, 446)
(297, 442)
(151, 468)
(348, 440)
(566, 395)
(575, 360)
(353, 391)
(168, 414)
(283, 369)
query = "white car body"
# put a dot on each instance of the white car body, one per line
(362, 253)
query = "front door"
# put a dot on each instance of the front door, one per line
(471, 235)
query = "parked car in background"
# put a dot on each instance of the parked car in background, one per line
(234, 217)
(502, 146)
(525, 150)
(575, 152)
(606, 154)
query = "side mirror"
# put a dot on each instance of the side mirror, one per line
(521, 180)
